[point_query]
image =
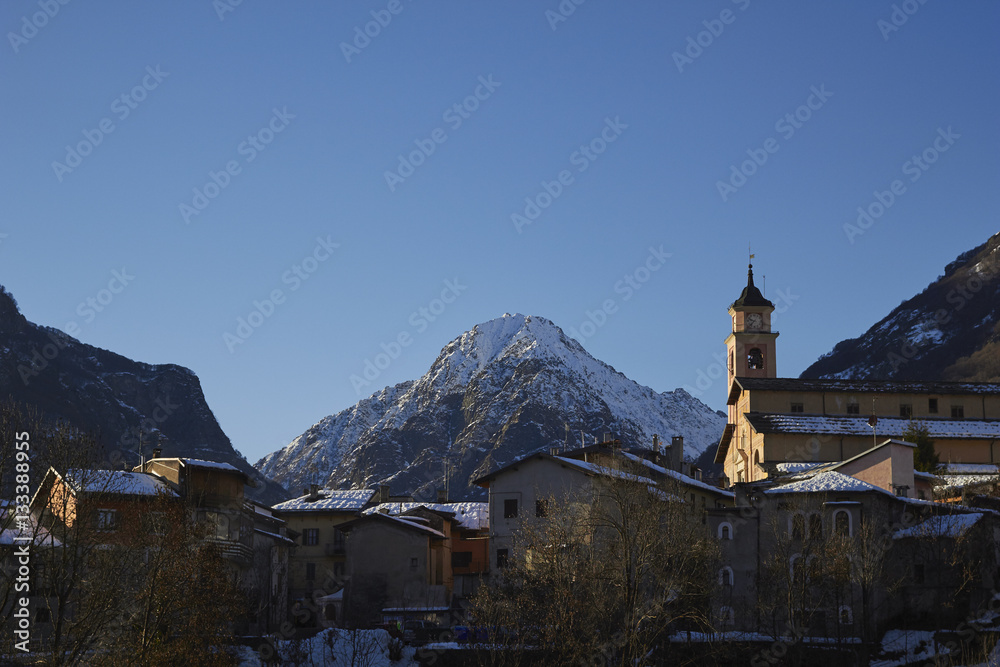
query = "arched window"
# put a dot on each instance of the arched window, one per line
(842, 523)
(730, 361)
(815, 526)
(726, 576)
(846, 615)
(755, 359)
(727, 617)
(725, 531)
(756, 458)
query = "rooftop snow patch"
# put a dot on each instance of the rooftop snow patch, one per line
(889, 427)
(827, 482)
(948, 525)
(329, 500)
(117, 482)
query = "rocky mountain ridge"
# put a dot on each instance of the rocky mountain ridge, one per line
(514, 385)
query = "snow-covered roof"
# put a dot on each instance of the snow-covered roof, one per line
(202, 463)
(13, 534)
(765, 422)
(968, 469)
(117, 482)
(683, 479)
(595, 469)
(329, 500)
(275, 536)
(828, 482)
(789, 467)
(409, 524)
(469, 515)
(947, 525)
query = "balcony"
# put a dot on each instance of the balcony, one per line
(234, 551)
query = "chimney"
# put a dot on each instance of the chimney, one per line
(383, 493)
(156, 452)
(676, 452)
(442, 496)
(656, 443)
(314, 490)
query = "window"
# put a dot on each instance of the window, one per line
(413, 563)
(310, 537)
(541, 507)
(846, 616)
(461, 558)
(797, 407)
(510, 508)
(730, 361)
(853, 409)
(918, 573)
(338, 540)
(502, 556)
(902, 490)
(310, 571)
(156, 523)
(726, 576)
(958, 412)
(905, 410)
(755, 359)
(932, 406)
(725, 531)
(107, 520)
(338, 571)
(842, 523)
(726, 616)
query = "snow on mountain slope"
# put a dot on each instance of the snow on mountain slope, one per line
(949, 331)
(506, 388)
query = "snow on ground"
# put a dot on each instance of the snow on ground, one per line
(910, 646)
(333, 647)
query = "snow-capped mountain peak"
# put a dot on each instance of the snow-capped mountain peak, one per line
(507, 387)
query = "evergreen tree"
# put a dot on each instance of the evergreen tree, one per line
(925, 459)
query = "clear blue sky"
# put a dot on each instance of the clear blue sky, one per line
(309, 132)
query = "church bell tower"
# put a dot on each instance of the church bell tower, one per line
(750, 348)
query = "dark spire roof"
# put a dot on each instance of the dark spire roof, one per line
(751, 296)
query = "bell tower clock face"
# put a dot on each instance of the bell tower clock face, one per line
(755, 322)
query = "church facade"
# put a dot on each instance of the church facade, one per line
(775, 425)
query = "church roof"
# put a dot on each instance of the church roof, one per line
(863, 386)
(887, 426)
(751, 296)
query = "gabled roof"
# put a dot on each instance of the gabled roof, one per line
(329, 500)
(468, 515)
(828, 482)
(773, 422)
(398, 522)
(114, 482)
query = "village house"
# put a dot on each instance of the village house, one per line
(398, 567)
(526, 487)
(317, 565)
